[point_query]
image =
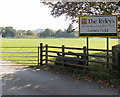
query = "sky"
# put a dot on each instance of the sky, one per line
(29, 15)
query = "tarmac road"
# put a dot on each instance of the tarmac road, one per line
(30, 81)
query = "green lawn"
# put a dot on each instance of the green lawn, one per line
(78, 42)
(99, 43)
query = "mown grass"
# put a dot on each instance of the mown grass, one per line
(73, 42)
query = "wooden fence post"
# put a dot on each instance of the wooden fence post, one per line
(63, 50)
(87, 51)
(107, 52)
(46, 57)
(84, 56)
(115, 60)
(63, 53)
(41, 53)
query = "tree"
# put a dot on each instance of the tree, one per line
(58, 33)
(20, 32)
(41, 34)
(68, 35)
(73, 9)
(8, 32)
(48, 32)
(29, 32)
(2, 30)
(70, 28)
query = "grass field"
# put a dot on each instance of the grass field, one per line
(99, 43)
(78, 42)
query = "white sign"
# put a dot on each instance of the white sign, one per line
(99, 25)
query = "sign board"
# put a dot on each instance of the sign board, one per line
(98, 26)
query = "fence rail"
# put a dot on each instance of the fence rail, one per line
(18, 52)
(105, 59)
(45, 54)
(20, 55)
(18, 47)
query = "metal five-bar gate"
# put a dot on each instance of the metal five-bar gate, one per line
(19, 55)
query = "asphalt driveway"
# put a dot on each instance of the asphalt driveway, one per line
(31, 81)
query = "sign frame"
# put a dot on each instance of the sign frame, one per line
(100, 33)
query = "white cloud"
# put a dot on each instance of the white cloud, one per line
(29, 14)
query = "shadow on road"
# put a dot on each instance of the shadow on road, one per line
(29, 81)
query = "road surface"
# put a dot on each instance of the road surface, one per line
(31, 81)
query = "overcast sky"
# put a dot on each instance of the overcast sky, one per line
(29, 15)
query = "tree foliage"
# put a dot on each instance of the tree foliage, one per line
(73, 9)
(8, 32)
(20, 32)
(29, 32)
(1, 30)
(70, 28)
(49, 33)
(11, 32)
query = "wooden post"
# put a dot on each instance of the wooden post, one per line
(115, 60)
(107, 52)
(63, 53)
(87, 51)
(63, 50)
(118, 62)
(38, 57)
(46, 54)
(41, 53)
(84, 57)
(113, 57)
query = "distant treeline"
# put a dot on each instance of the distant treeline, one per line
(47, 33)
